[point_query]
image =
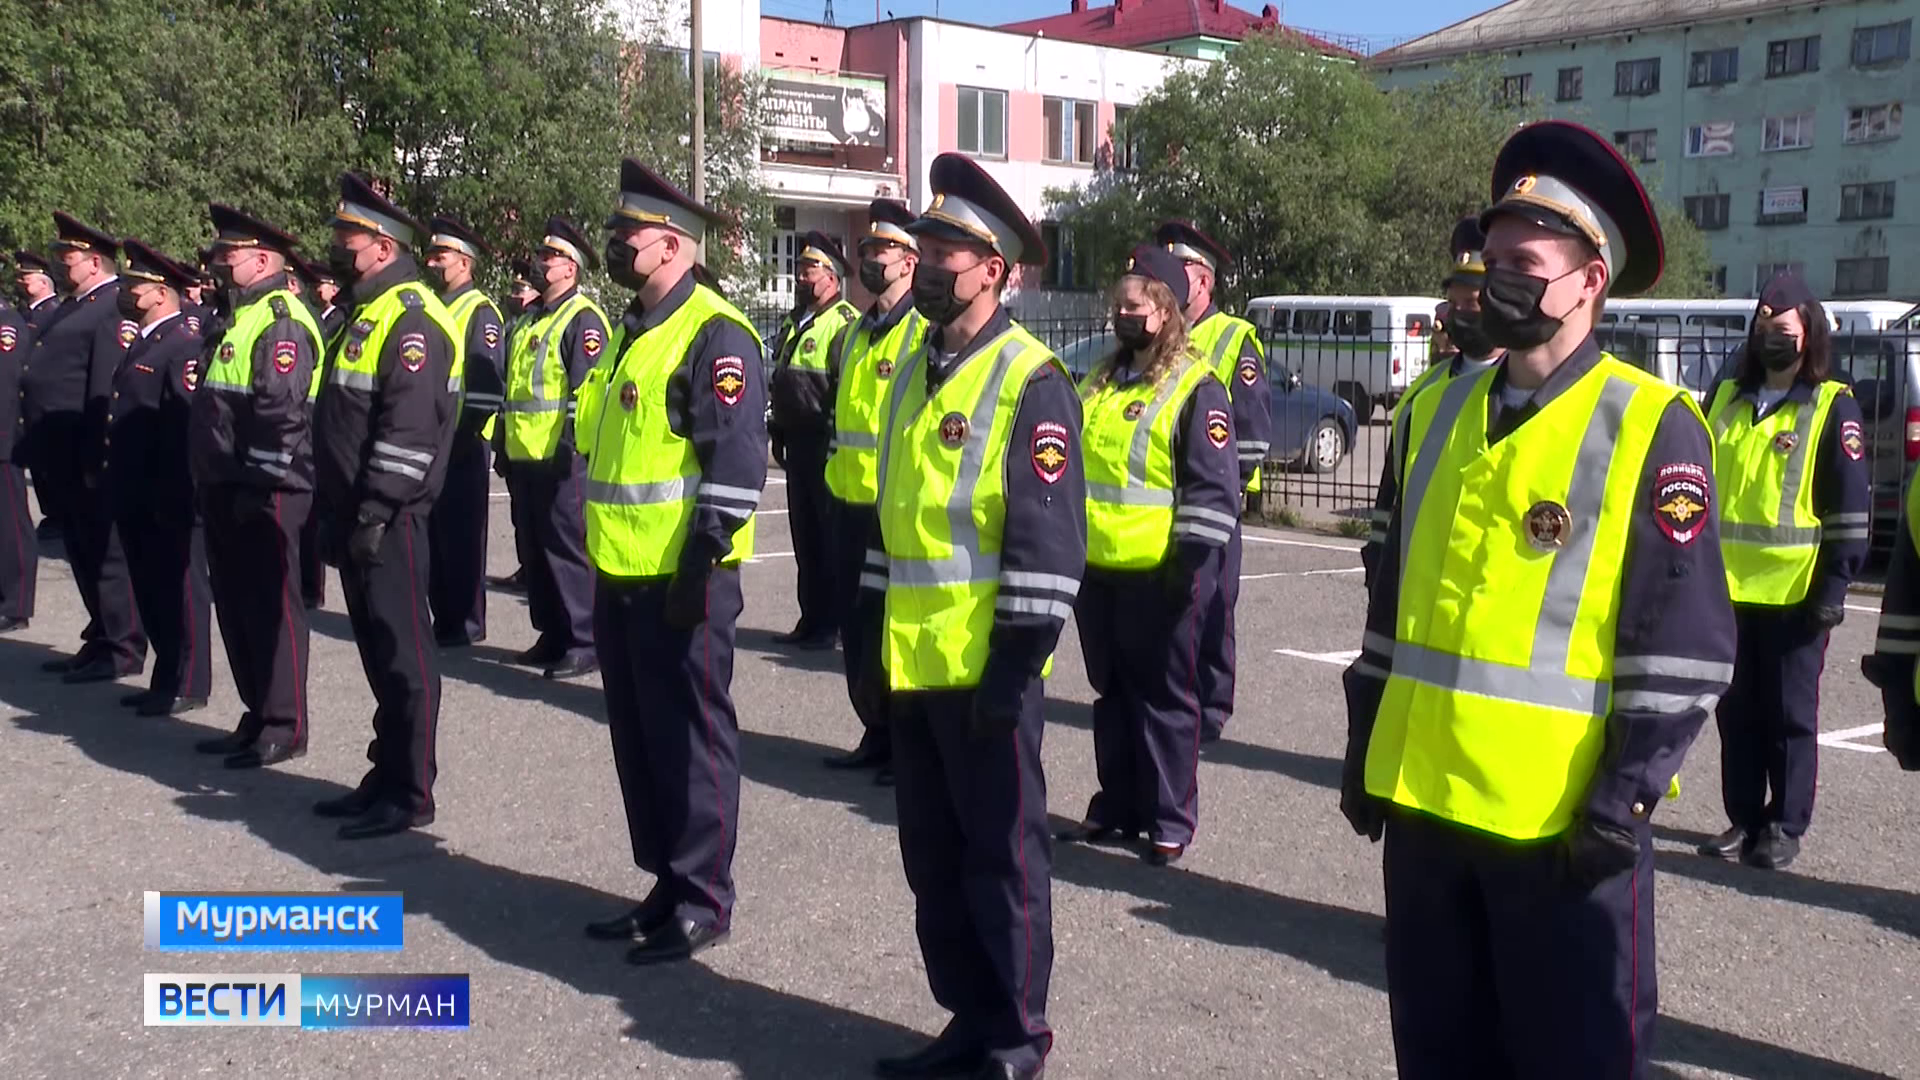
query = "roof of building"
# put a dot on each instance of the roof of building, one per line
(1131, 24)
(1528, 22)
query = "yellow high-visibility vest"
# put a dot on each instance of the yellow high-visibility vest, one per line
(231, 369)
(539, 396)
(867, 367)
(1769, 534)
(1128, 435)
(1219, 340)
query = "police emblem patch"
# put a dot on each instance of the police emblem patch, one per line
(884, 369)
(413, 351)
(1249, 371)
(9, 337)
(953, 429)
(128, 331)
(352, 350)
(226, 351)
(807, 345)
(1134, 409)
(1785, 442)
(591, 341)
(190, 374)
(1681, 501)
(1218, 428)
(1548, 525)
(629, 395)
(1050, 451)
(729, 380)
(491, 334)
(285, 353)
(1851, 440)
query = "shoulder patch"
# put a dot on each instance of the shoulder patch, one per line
(1681, 501)
(190, 374)
(413, 351)
(729, 380)
(1218, 429)
(592, 341)
(491, 334)
(279, 306)
(1050, 448)
(1249, 371)
(1851, 440)
(285, 355)
(9, 338)
(192, 323)
(128, 332)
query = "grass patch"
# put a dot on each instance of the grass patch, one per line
(1355, 528)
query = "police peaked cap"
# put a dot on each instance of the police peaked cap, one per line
(232, 228)
(31, 262)
(1155, 263)
(969, 205)
(647, 198)
(72, 234)
(825, 250)
(1784, 291)
(523, 273)
(888, 220)
(1189, 244)
(1567, 179)
(361, 207)
(1466, 264)
(144, 265)
(563, 239)
(451, 234)
(309, 271)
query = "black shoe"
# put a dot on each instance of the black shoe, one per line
(1088, 832)
(353, 804)
(539, 656)
(1000, 1070)
(66, 663)
(233, 742)
(949, 1054)
(99, 669)
(168, 705)
(819, 642)
(800, 632)
(1211, 736)
(884, 777)
(572, 667)
(677, 939)
(10, 623)
(314, 600)
(1772, 849)
(48, 529)
(384, 819)
(457, 639)
(514, 582)
(1159, 854)
(646, 918)
(135, 700)
(270, 749)
(866, 755)
(1727, 845)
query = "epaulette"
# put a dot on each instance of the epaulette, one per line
(412, 299)
(279, 306)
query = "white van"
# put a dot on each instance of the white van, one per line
(1842, 315)
(1867, 314)
(1367, 349)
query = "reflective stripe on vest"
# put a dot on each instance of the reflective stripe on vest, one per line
(643, 479)
(461, 312)
(1219, 339)
(1501, 667)
(942, 506)
(1130, 470)
(1769, 534)
(355, 364)
(860, 405)
(231, 369)
(539, 395)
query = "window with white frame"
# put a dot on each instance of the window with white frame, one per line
(1710, 140)
(1791, 132)
(983, 122)
(1872, 123)
(1126, 147)
(1072, 131)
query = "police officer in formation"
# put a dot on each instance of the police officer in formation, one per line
(1795, 515)
(307, 280)
(872, 350)
(559, 340)
(383, 430)
(1894, 664)
(33, 278)
(457, 531)
(673, 423)
(982, 541)
(803, 397)
(521, 295)
(1469, 353)
(65, 384)
(1549, 628)
(151, 482)
(1163, 501)
(1231, 347)
(251, 450)
(19, 549)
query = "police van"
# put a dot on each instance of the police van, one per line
(1366, 349)
(1842, 315)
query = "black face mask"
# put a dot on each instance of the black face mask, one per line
(1510, 309)
(933, 294)
(127, 304)
(62, 278)
(437, 275)
(803, 294)
(1776, 351)
(873, 276)
(1466, 333)
(619, 256)
(1131, 332)
(340, 261)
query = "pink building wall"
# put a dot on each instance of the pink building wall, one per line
(801, 45)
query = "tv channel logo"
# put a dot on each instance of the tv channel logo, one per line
(274, 922)
(319, 1002)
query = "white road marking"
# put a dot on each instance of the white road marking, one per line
(1340, 658)
(765, 555)
(1863, 607)
(1302, 573)
(1256, 538)
(768, 513)
(1839, 738)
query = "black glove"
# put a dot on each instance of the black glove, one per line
(997, 702)
(779, 451)
(1593, 851)
(1366, 812)
(363, 546)
(1822, 617)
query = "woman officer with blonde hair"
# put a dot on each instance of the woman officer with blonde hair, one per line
(1162, 495)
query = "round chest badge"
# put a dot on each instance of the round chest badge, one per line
(629, 395)
(953, 429)
(226, 351)
(1134, 409)
(1548, 525)
(1785, 442)
(883, 369)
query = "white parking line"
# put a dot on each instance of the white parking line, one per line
(765, 555)
(1257, 538)
(1340, 658)
(1302, 573)
(1863, 607)
(1840, 738)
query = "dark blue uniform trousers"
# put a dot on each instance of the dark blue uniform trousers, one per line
(1770, 720)
(550, 529)
(100, 569)
(676, 741)
(253, 567)
(1142, 646)
(1216, 645)
(387, 606)
(1498, 967)
(457, 533)
(313, 568)
(19, 550)
(810, 521)
(979, 859)
(856, 530)
(168, 564)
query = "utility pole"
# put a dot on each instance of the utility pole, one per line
(698, 65)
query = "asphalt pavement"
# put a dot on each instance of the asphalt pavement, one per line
(1257, 956)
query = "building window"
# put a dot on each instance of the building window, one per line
(1063, 269)
(1709, 211)
(1793, 56)
(1636, 78)
(1714, 67)
(1865, 202)
(1872, 123)
(1859, 277)
(1638, 145)
(1717, 280)
(1516, 89)
(1710, 140)
(1071, 131)
(1782, 206)
(1570, 84)
(1882, 44)
(1793, 132)
(983, 122)
(1126, 147)
(1766, 272)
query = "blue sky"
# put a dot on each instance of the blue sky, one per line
(1380, 20)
